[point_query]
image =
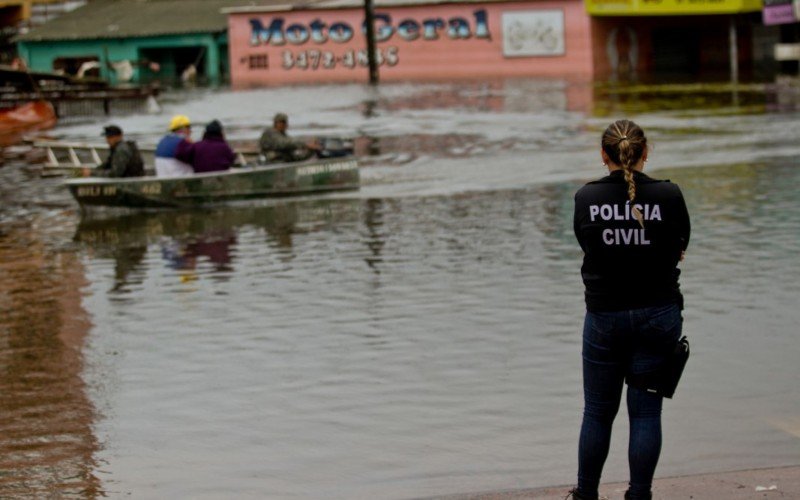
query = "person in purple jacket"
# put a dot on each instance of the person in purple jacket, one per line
(211, 154)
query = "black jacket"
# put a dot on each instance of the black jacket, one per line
(124, 160)
(626, 266)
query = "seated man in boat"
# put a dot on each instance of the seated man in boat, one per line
(180, 131)
(210, 154)
(123, 159)
(277, 147)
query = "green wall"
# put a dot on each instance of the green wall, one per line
(41, 55)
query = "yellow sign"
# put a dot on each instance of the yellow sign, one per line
(669, 7)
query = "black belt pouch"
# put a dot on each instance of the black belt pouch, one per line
(664, 380)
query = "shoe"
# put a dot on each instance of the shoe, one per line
(574, 495)
(648, 497)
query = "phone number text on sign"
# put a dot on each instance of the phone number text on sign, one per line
(324, 59)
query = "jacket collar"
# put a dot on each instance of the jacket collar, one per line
(618, 176)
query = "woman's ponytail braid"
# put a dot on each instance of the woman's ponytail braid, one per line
(624, 142)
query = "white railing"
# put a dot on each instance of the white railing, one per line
(70, 158)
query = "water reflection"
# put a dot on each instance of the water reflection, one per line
(384, 346)
(202, 240)
(721, 98)
(476, 104)
(46, 418)
(515, 95)
(213, 248)
(376, 238)
(598, 98)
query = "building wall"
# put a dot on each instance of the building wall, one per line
(11, 14)
(631, 47)
(449, 41)
(40, 56)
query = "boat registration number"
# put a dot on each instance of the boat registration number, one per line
(326, 168)
(152, 188)
(90, 191)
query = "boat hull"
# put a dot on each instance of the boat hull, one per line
(16, 122)
(202, 189)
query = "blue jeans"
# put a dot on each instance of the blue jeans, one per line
(615, 344)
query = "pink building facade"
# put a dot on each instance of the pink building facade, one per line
(414, 42)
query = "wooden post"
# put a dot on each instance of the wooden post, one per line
(369, 19)
(734, 50)
(734, 55)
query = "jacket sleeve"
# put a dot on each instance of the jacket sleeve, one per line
(684, 225)
(272, 141)
(264, 142)
(119, 160)
(185, 152)
(231, 156)
(106, 165)
(576, 223)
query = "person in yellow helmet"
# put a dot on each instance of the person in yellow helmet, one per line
(167, 165)
(179, 122)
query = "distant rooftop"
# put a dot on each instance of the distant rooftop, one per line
(138, 18)
(283, 5)
(100, 19)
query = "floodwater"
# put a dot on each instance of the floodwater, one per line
(418, 337)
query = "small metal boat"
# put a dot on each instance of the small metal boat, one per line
(238, 183)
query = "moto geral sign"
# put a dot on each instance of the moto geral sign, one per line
(275, 45)
(277, 32)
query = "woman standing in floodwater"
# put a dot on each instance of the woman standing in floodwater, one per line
(633, 230)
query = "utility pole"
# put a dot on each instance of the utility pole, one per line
(733, 44)
(734, 56)
(369, 19)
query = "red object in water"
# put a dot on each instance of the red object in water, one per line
(16, 122)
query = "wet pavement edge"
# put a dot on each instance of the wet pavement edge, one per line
(769, 483)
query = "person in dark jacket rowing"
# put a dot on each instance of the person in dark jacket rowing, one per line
(211, 154)
(123, 159)
(277, 147)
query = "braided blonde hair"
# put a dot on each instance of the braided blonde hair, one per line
(625, 143)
